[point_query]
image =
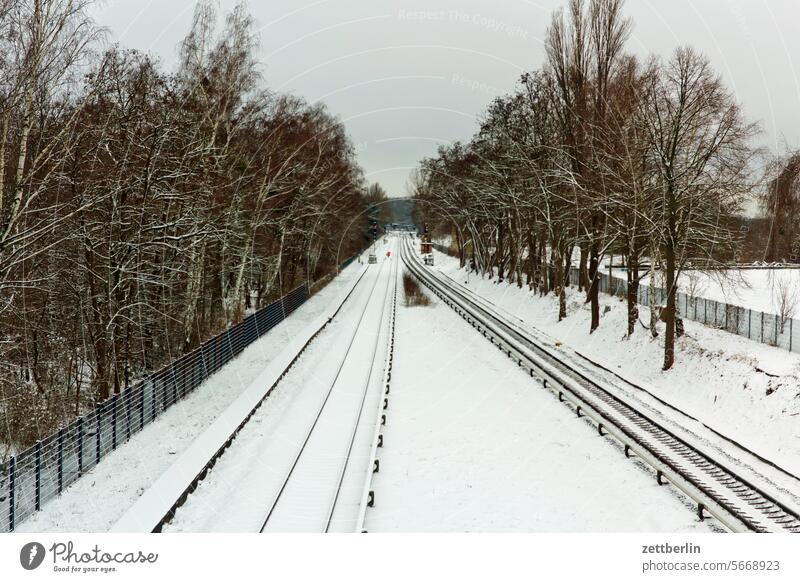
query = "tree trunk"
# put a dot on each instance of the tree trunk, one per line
(633, 291)
(583, 279)
(500, 249)
(544, 269)
(531, 258)
(558, 283)
(651, 296)
(462, 259)
(594, 287)
(233, 310)
(669, 315)
(194, 288)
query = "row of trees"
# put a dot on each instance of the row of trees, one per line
(598, 153)
(142, 211)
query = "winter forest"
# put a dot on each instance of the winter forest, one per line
(142, 210)
(350, 266)
(602, 154)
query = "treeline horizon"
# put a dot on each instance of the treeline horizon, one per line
(142, 211)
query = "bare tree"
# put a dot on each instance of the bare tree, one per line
(784, 297)
(701, 152)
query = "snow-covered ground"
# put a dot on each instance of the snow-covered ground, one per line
(472, 443)
(747, 391)
(106, 492)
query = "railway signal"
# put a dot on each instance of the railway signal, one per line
(426, 246)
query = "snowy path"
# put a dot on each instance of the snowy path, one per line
(97, 500)
(473, 444)
(286, 465)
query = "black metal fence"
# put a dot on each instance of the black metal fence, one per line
(766, 328)
(36, 475)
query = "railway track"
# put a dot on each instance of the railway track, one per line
(717, 490)
(581, 363)
(321, 489)
(319, 492)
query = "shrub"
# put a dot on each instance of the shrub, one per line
(413, 292)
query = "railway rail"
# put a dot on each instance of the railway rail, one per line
(310, 492)
(581, 362)
(158, 507)
(715, 488)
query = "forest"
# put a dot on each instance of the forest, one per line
(143, 210)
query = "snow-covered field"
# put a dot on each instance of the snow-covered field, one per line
(99, 498)
(757, 289)
(764, 289)
(747, 391)
(474, 444)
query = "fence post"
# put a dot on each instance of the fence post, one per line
(749, 322)
(60, 459)
(128, 393)
(80, 445)
(762, 327)
(790, 333)
(97, 427)
(776, 329)
(153, 411)
(12, 483)
(174, 384)
(186, 374)
(164, 396)
(38, 475)
(141, 407)
(114, 422)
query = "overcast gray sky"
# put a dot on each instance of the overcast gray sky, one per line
(405, 76)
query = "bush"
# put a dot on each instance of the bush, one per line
(413, 292)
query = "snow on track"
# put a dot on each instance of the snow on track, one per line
(239, 492)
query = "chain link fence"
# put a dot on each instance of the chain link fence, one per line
(766, 328)
(36, 475)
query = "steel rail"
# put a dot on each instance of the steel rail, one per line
(588, 364)
(367, 494)
(716, 489)
(320, 411)
(382, 402)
